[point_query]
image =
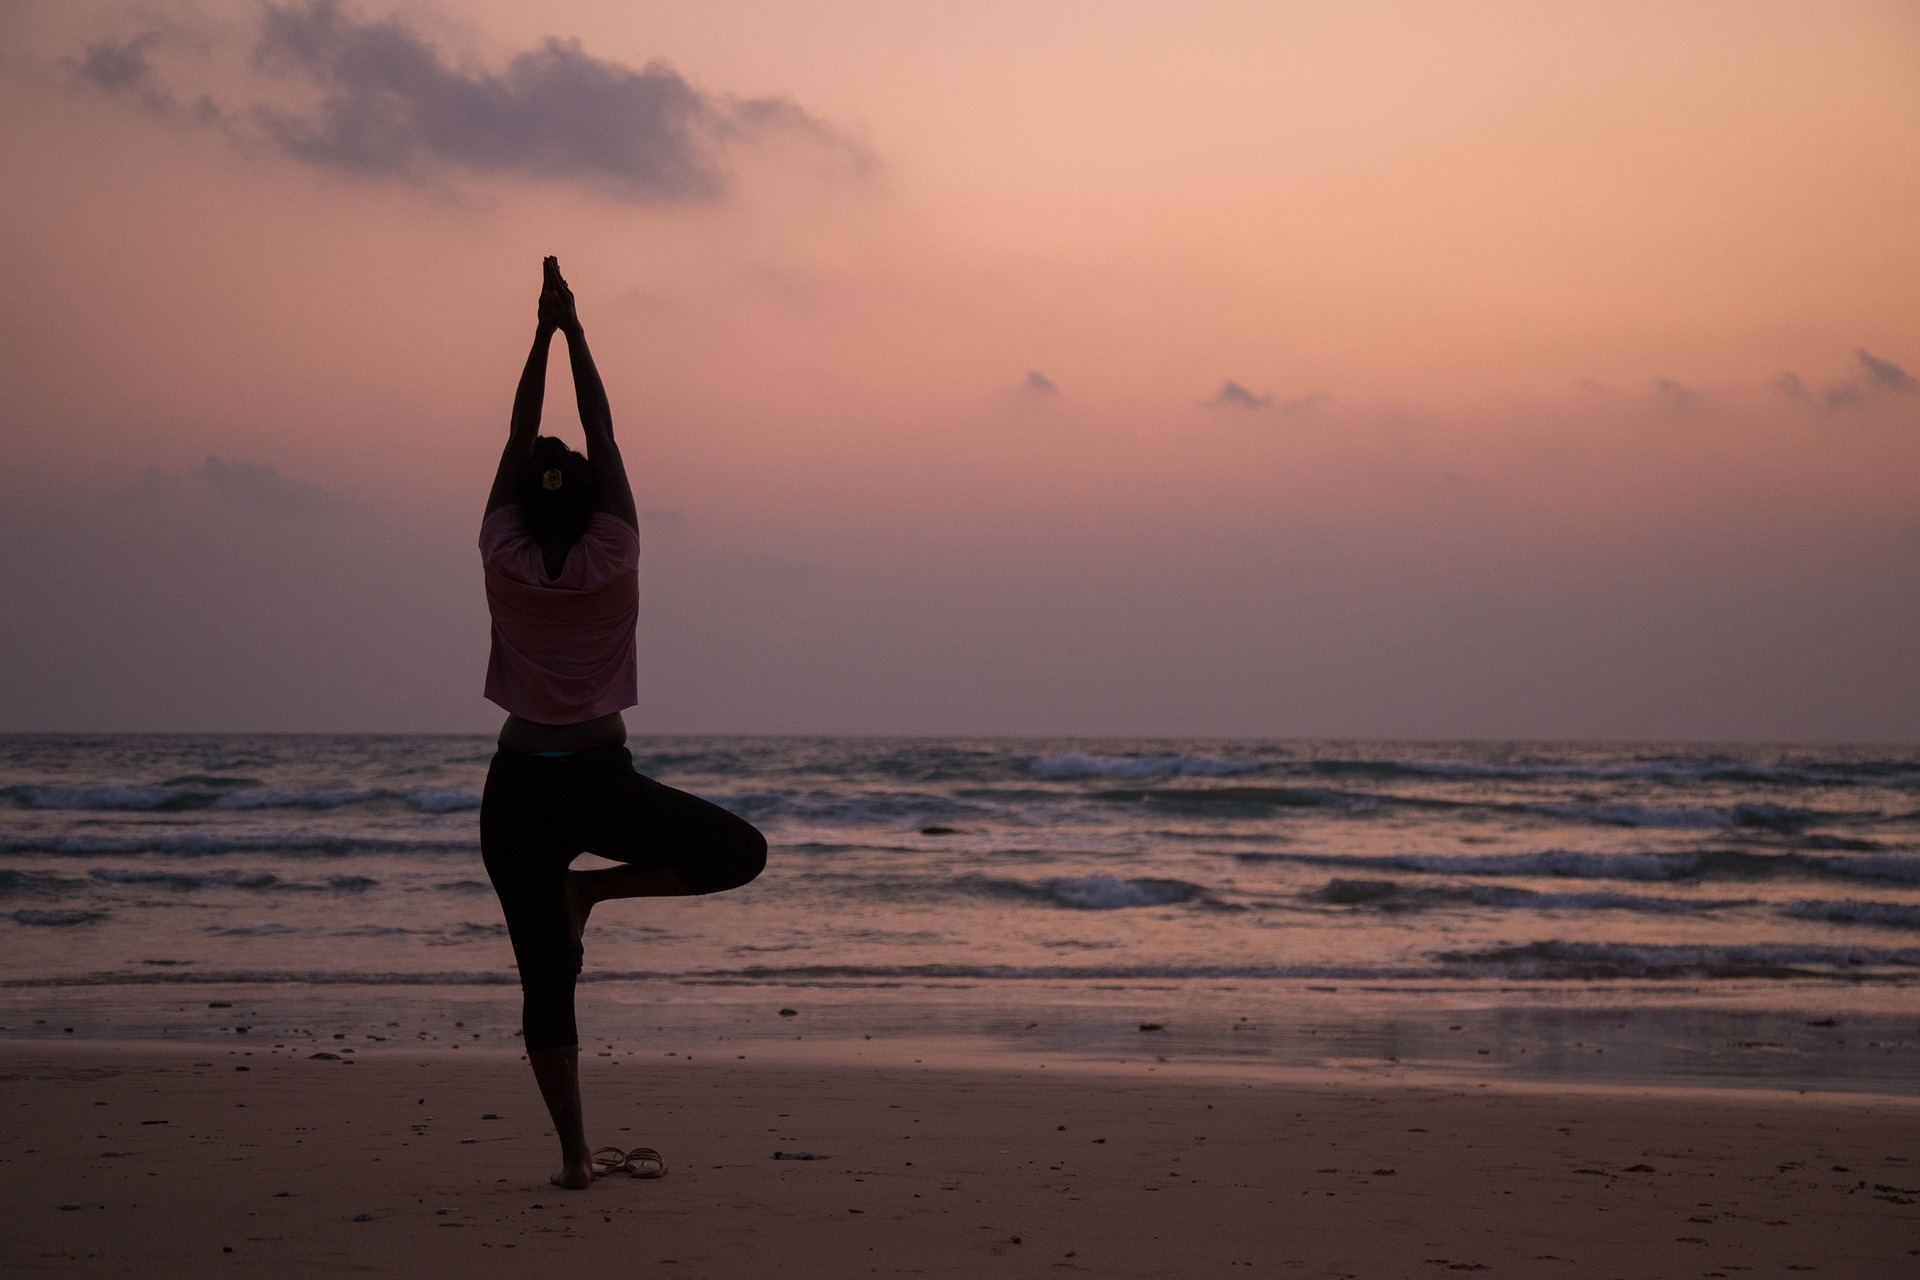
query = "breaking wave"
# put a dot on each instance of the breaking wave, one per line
(1249, 797)
(1765, 817)
(209, 845)
(186, 881)
(1097, 892)
(1075, 765)
(56, 919)
(1714, 864)
(14, 883)
(1392, 896)
(883, 809)
(1884, 915)
(187, 794)
(1668, 770)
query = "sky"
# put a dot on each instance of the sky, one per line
(1274, 370)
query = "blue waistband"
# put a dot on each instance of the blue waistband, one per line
(553, 755)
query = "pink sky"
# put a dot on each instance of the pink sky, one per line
(1251, 369)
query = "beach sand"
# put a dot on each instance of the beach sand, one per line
(189, 1161)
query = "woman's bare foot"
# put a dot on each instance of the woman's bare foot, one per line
(576, 1176)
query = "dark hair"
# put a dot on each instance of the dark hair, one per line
(556, 492)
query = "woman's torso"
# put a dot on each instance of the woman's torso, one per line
(562, 656)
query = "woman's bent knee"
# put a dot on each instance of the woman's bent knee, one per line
(735, 861)
(753, 859)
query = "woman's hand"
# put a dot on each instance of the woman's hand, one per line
(556, 300)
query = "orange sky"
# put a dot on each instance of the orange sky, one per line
(1508, 290)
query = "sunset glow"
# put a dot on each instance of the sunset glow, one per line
(1256, 369)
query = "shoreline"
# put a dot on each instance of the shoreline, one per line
(938, 1168)
(1602, 1041)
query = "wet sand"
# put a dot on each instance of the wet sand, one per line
(175, 1161)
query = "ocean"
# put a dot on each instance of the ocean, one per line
(1694, 914)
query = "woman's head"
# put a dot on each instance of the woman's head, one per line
(556, 492)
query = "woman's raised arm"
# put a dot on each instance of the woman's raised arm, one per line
(527, 402)
(613, 492)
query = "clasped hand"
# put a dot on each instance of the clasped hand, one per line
(556, 300)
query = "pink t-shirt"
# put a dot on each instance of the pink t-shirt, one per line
(563, 648)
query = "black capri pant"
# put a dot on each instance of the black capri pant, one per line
(539, 813)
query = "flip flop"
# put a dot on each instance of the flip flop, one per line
(645, 1162)
(641, 1162)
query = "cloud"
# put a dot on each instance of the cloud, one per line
(1305, 404)
(390, 105)
(256, 485)
(1232, 395)
(1879, 376)
(1885, 373)
(1675, 394)
(1040, 384)
(124, 69)
(116, 66)
(1841, 395)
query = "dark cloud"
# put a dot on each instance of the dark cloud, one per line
(1232, 395)
(1841, 395)
(1040, 384)
(1885, 373)
(391, 105)
(124, 69)
(1789, 385)
(116, 66)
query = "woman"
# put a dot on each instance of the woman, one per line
(561, 556)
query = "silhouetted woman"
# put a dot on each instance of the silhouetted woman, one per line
(561, 554)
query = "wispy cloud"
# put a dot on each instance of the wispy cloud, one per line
(1232, 395)
(257, 485)
(1841, 395)
(1877, 377)
(379, 99)
(1040, 384)
(1885, 373)
(1305, 404)
(1676, 395)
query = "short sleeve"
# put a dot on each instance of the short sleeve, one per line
(609, 548)
(503, 535)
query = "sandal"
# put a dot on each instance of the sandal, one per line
(641, 1162)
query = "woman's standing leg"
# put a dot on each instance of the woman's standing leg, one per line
(534, 817)
(524, 841)
(557, 1072)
